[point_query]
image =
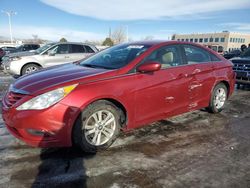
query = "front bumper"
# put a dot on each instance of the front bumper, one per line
(56, 122)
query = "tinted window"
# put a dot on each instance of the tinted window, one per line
(196, 55)
(75, 48)
(60, 49)
(88, 49)
(34, 47)
(168, 56)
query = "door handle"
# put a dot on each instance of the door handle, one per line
(66, 56)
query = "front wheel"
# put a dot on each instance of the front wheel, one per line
(98, 126)
(30, 68)
(218, 98)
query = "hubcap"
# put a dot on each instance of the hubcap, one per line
(99, 127)
(31, 69)
(220, 98)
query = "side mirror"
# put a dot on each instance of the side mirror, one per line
(149, 67)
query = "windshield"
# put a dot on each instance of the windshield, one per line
(115, 57)
(41, 49)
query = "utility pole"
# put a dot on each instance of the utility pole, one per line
(9, 14)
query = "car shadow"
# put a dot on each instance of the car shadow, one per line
(61, 167)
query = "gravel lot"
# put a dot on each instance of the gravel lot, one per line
(197, 149)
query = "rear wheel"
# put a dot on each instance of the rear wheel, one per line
(98, 126)
(29, 68)
(218, 98)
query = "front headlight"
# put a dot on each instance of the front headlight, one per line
(47, 99)
(15, 58)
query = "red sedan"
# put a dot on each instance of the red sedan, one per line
(124, 87)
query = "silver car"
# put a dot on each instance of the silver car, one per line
(49, 55)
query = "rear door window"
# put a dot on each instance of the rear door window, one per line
(196, 55)
(75, 48)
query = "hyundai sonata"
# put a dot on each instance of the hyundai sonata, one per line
(89, 102)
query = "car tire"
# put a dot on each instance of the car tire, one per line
(218, 98)
(30, 68)
(90, 132)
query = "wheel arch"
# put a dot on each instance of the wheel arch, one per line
(35, 63)
(118, 104)
(226, 83)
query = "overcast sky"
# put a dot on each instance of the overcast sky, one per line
(79, 20)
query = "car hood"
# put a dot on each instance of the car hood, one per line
(240, 60)
(56, 76)
(20, 54)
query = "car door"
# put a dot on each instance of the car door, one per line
(203, 78)
(164, 92)
(56, 55)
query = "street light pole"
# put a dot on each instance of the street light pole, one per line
(9, 14)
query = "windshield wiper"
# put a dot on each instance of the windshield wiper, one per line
(96, 66)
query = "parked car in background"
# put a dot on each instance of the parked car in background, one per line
(242, 68)
(2, 53)
(121, 88)
(56, 54)
(25, 47)
(233, 53)
(8, 49)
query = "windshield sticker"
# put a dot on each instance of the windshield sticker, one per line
(135, 46)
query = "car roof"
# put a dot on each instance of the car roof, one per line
(81, 43)
(162, 42)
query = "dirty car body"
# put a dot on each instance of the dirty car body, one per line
(143, 81)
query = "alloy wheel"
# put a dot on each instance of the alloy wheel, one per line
(99, 127)
(219, 98)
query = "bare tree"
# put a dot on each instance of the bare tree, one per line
(119, 35)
